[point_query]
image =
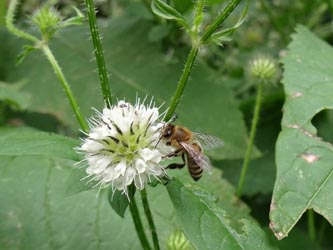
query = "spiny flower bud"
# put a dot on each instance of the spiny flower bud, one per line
(262, 69)
(49, 21)
(178, 241)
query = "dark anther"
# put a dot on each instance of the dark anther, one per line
(114, 139)
(131, 129)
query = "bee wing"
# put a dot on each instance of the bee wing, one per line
(199, 158)
(208, 141)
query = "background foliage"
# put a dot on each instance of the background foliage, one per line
(41, 208)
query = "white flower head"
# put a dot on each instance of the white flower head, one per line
(121, 147)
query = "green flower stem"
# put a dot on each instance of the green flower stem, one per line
(219, 20)
(10, 23)
(149, 218)
(99, 54)
(251, 140)
(57, 70)
(182, 83)
(138, 224)
(311, 225)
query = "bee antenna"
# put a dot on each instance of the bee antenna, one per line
(173, 118)
(159, 139)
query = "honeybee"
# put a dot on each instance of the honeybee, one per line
(189, 145)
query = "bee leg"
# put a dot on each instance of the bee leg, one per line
(165, 179)
(177, 165)
(173, 154)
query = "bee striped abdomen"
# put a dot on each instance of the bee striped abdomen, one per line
(194, 169)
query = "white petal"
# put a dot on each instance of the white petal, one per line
(150, 155)
(91, 146)
(110, 174)
(129, 176)
(140, 181)
(121, 168)
(155, 169)
(119, 183)
(97, 164)
(140, 165)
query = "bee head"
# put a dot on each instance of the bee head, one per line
(167, 131)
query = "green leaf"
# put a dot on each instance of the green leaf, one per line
(119, 201)
(158, 32)
(304, 161)
(20, 142)
(27, 49)
(164, 10)
(77, 182)
(11, 94)
(183, 6)
(36, 213)
(207, 226)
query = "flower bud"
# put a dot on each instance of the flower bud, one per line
(262, 69)
(178, 241)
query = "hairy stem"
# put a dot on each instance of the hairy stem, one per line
(138, 224)
(99, 54)
(10, 23)
(57, 70)
(251, 140)
(149, 218)
(219, 20)
(181, 83)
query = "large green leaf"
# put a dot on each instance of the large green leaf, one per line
(36, 213)
(11, 95)
(24, 141)
(136, 66)
(304, 161)
(207, 226)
